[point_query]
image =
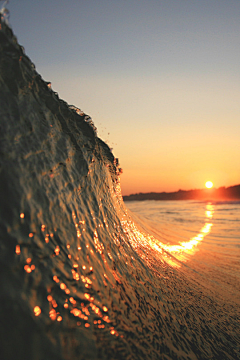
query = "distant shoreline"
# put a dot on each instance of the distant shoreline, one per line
(222, 193)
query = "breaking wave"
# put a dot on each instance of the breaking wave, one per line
(80, 279)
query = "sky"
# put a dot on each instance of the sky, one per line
(160, 79)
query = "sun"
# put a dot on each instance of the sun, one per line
(209, 184)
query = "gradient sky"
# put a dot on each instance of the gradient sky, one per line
(159, 78)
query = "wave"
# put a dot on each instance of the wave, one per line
(80, 279)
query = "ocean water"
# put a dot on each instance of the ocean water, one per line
(84, 276)
(204, 236)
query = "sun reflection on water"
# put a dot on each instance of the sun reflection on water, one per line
(171, 254)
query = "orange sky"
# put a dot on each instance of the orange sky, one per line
(162, 147)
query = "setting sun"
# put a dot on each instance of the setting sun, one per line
(209, 184)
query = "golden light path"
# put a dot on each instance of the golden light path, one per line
(171, 254)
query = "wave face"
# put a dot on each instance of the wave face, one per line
(79, 280)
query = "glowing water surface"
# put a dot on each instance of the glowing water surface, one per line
(201, 235)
